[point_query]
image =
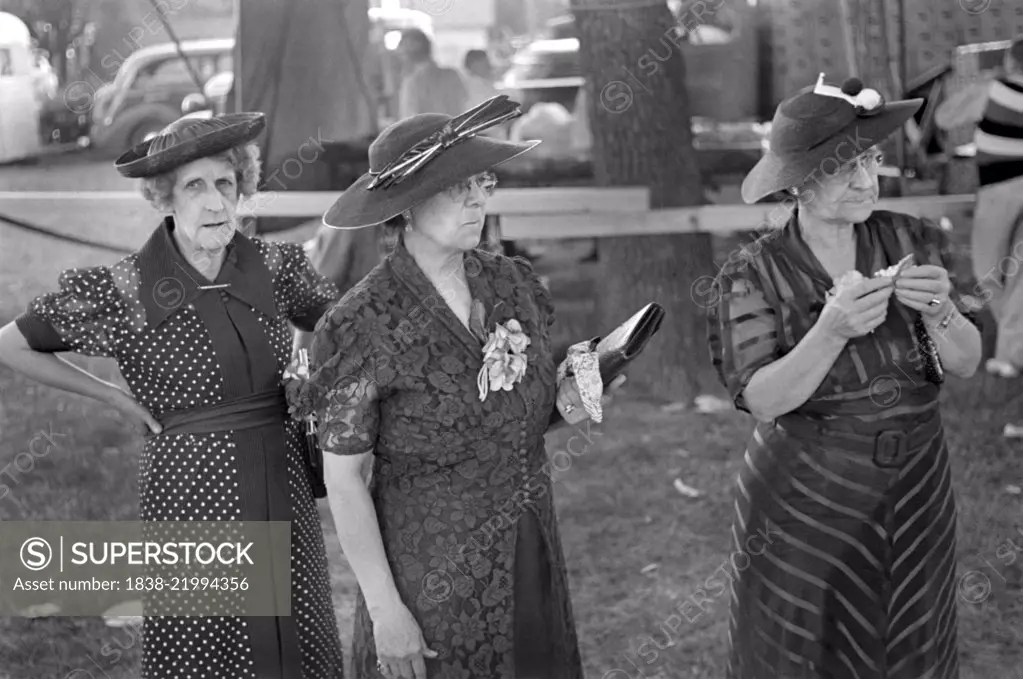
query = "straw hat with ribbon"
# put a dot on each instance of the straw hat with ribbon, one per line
(419, 156)
(188, 139)
(814, 126)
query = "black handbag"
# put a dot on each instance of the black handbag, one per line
(314, 458)
(933, 371)
(312, 453)
(627, 341)
(619, 348)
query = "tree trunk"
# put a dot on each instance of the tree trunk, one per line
(302, 63)
(639, 117)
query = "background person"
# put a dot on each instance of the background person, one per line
(997, 239)
(427, 87)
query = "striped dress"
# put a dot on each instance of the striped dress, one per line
(857, 577)
(999, 135)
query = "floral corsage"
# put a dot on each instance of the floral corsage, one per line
(504, 358)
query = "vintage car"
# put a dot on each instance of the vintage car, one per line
(148, 91)
(152, 84)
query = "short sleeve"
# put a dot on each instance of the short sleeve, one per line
(343, 391)
(86, 315)
(935, 246)
(742, 331)
(541, 294)
(306, 293)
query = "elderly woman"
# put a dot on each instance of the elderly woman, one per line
(198, 322)
(437, 370)
(847, 473)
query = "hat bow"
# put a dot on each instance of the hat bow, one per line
(490, 113)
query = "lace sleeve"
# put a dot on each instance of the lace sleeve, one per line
(86, 315)
(342, 391)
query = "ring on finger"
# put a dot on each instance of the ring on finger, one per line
(569, 407)
(934, 302)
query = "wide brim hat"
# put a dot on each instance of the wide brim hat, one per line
(415, 158)
(816, 131)
(187, 139)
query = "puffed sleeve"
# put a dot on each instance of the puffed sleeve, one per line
(86, 315)
(742, 332)
(343, 390)
(307, 294)
(934, 244)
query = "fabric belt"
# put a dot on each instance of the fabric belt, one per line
(888, 448)
(246, 412)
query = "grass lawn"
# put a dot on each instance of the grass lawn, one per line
(636, 546)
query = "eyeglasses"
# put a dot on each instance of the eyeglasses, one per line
(871, 162)
(486, 181)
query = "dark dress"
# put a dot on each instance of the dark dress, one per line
(461, 493)
(179, 347)
(856, 576)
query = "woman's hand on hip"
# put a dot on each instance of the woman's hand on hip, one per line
(924, 289)
(138, 416)
(859, 309)
(401, 648)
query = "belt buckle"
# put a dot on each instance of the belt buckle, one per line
(890, 449)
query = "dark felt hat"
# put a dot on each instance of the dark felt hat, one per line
(188, 139)
(419, 156)
(820, 128)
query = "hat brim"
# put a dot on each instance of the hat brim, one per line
(359, 207)
(772, 173)
(241, 128)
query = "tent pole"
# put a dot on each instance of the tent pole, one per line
(237, 68)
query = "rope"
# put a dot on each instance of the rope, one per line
(43, 231)
(637, 4)
(177, 44)
(62, 236)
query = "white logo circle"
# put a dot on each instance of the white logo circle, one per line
(36, 554)
(616, 97)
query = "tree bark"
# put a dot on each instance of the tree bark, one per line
(639, 118)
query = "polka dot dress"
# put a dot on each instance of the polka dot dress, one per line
(178, 347)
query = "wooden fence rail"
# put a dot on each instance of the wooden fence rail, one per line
(525, 213)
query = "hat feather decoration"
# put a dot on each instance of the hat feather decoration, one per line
(491, 113)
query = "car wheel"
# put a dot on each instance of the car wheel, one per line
(141, 133)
